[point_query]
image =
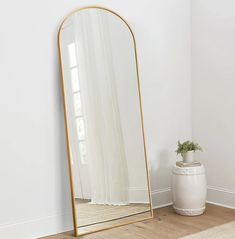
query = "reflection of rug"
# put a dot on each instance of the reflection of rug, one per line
(93, 213)
(225, 231)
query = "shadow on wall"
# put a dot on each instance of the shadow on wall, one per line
(161, 177)
(64, 194)
(164, 167)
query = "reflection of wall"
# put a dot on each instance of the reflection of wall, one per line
(123, 53)
(125, 79)
(80, 171)
(213, 76)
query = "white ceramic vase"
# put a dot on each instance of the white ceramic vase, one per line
(189, 190)
(188, 157)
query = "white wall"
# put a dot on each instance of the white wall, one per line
(165, 69)
(213, 81)
(35, 195)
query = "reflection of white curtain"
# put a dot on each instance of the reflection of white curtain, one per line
(105, 146)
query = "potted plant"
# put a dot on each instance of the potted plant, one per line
(187, 149)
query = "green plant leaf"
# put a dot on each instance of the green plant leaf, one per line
(187, 146)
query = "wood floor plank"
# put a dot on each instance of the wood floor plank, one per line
(166, 224)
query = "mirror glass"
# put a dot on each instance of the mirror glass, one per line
(104, 121)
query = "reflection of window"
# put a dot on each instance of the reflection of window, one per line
(74, 78)
(72, 54)
(82, 148)
(77, 104)
(78, 111)
(80, 128)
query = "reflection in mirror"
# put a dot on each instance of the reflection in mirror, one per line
(104, 121)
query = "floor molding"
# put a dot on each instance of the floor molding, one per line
(215, 195)
(163, 205)
(162, 197)
(221, 196)
(60, 222)
(39, 227)
(220, 204)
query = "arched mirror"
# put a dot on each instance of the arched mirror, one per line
(104, 121)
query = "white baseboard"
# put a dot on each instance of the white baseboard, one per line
(63, 222)
(57, 223)
(221, 196)
(220, 204)
(37, 228)
(162, 197)
(215, 195)
(163, 205)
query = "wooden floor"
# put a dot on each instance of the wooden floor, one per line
(165, 225)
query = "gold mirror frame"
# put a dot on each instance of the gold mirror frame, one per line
(67, 133)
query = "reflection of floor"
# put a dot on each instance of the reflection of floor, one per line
(114, 223)
(93, 213)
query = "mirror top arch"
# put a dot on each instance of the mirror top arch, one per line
(93, 7)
